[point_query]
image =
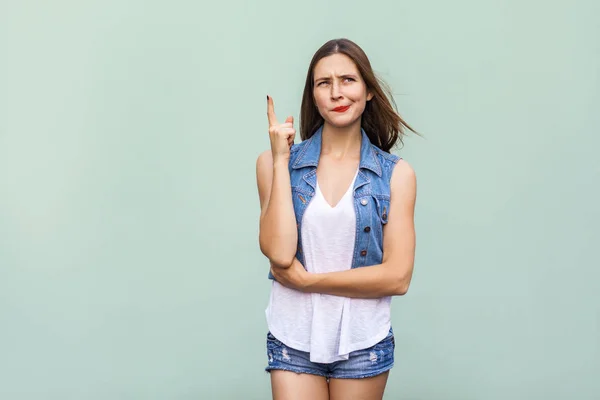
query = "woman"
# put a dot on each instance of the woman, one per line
(337, 225)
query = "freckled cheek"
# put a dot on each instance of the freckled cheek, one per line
(320, 102)
(356, 95)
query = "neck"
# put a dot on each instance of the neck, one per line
(341, 142)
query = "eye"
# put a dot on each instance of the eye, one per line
(322, 82)
(349, 79)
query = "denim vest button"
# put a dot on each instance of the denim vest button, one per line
(367, 229)
(364, 202)
(363, 253)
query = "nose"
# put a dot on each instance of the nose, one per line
(335, 91)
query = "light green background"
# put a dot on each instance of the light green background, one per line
(129, 261)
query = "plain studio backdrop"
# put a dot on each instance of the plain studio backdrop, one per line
(129, 260)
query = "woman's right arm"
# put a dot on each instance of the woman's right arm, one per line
(278, 235)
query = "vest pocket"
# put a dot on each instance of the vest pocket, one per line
(383, 207)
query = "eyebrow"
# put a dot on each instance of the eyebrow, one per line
(325, 78)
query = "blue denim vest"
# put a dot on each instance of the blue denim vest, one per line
(371, 194)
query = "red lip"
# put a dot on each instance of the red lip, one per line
(341, 108)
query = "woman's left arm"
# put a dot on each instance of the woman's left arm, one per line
(390, 278)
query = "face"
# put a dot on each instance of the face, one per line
(339, 91)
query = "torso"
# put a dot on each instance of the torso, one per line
(333, 217)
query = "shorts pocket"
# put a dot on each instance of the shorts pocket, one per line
(272, 340)
(387, 344)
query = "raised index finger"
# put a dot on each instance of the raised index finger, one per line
(271, 112)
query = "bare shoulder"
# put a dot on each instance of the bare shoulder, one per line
(403, 182)
(403, 174)
(264, 158)
(264, 165)
(264, 175)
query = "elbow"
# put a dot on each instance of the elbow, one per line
(281, 263)
(280, 260)
(401, 284)
(401, 288)
(277, 258)
(278, 254)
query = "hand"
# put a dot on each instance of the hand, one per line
(294, 277)
(281, 135)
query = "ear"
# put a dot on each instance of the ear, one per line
(369, 96)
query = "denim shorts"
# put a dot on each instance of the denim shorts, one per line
(363, 363)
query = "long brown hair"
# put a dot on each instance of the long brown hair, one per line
(380, 120)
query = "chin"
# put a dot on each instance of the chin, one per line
(342, 121)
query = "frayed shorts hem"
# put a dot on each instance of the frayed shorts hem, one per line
(330, 376)
(296, 370)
